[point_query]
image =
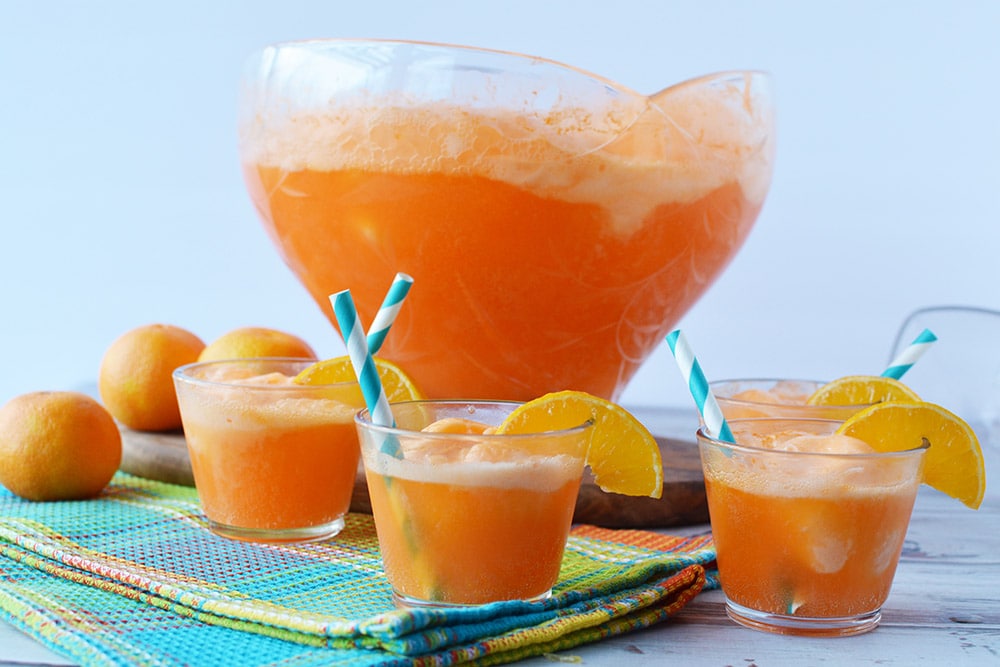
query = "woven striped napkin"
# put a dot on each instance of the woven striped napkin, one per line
(135, 577)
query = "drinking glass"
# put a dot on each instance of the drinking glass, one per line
(807, 530)
(466, 516)
(273, 461)
(962, 368)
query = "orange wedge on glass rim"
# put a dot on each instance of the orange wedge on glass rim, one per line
(954, 461)
(624, 457)
(861, 390)
(398, 385)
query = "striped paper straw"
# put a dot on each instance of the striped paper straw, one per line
(898, 367)
(708, 407)
(364, 366)
(387, 312)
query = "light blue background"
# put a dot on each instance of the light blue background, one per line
(122, 204)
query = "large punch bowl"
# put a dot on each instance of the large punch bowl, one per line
(556, 224)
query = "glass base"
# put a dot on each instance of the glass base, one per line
(318, 533)
(782, 624)
(407, 602)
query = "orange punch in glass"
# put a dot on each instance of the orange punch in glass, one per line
(808, 524)
(838, 399)
(760, 397)
(547, 215)
(465, 516)
(273, 461)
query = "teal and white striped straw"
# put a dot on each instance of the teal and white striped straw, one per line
(715, 424)
(387, 312)
(364, 366)
(898, 367)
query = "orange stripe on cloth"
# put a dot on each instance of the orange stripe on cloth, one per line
(644, 539)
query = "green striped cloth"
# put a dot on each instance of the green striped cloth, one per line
(135, 577)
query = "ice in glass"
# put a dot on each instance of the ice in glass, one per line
(556, 224)
(273, 461)
(808, 525)
(753, 398)
(465, 516)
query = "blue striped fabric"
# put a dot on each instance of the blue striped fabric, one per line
(135, 577)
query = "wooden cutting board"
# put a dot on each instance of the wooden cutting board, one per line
(164, 457)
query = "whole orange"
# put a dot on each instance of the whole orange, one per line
(57, 445)
(135, 379)
(252, 342)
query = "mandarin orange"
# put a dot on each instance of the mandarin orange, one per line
(57, 445)
(135, 381)
(251, 342)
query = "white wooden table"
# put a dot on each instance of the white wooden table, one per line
(944, 608)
